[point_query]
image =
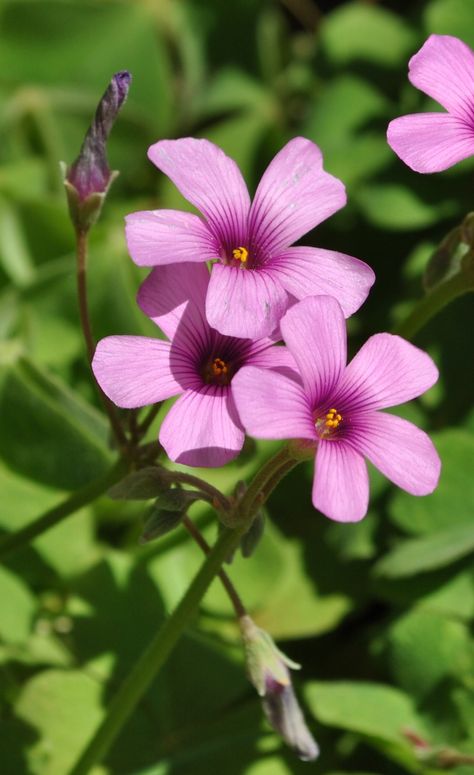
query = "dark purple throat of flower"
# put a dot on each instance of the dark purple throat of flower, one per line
(328, 424)
(217, 371)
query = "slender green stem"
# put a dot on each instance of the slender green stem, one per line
(52, 517)
(273, 471)
(145, 670)
(218, 499)
(432, 303)
(234, 596)
(82, 236)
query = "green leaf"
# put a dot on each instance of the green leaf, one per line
(47, 432)
(450, 504)
(351, 151)
(450, 17)
(18, 607)
(378, 713)
(419, 555)
(357, 31)
(392, 206)
(425, 649)
(64, 708)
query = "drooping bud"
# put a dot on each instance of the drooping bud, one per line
(268, 671)
(88, 178)
(167, 513)
(144, 484)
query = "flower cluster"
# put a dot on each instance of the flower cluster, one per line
(255, 326)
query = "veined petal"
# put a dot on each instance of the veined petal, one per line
(294, 195)
(401, 451)
(277, 358)
(156, 237)
(271, 405)
(431, 142)
(247, 303)
(135, 370)
(208, 179)
(314, 331)
(341, 482)
(305, 271)
(202, 428)
(386, 371)
(174, 298)
(443, 68)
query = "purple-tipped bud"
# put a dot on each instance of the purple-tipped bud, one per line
(89, 177)
(267, 669)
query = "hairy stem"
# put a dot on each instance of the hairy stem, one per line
(265, 481)
(13, 541)
(429, 306)
(81, 266)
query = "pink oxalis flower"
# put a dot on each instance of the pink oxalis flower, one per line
(336, 407)
(255, 270)
(203, 427)
(430, 142)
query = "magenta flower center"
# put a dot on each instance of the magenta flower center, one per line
(327, 424)
(217, 372)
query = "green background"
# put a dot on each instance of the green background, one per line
(380, 614)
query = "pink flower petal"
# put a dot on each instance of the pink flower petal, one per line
(246, 303)
(430, 142)
(277, 358)
(174, 297)
(202, 428)
(208, 179)
(401, 451)
(314, 331)
(158, 237)
(135, 370)
(313, 272)
(444, 69)
(386, 371)
(341, 482)
(294, 195)
(272, 406)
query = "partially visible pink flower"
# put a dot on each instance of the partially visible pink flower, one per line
(430, 142)
(256, 270)
(203, 427)
(336, 407)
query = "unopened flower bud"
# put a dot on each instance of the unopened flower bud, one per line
(268, 671)
(88, 178)
(167, 513)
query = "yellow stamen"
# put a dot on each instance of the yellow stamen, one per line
(240, 254)
(333, 418)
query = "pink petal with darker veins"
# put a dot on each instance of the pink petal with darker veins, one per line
(401, 451)
(314, 331)
(208, 179)
(386, 371)
(271, 405)
(156, 237)
(202, 428)
(135, 371)
(295, 194)
(305, 271)
(443, 68)
(246, 303)
(174, 298)
(431, 142)
(341, 482)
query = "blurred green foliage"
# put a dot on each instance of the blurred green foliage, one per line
(379, 613)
